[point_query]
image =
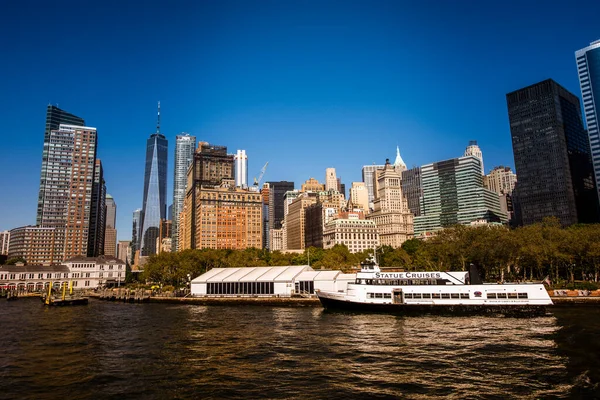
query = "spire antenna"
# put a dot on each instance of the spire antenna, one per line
(158, 119)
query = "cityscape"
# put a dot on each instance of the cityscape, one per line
(327, 199)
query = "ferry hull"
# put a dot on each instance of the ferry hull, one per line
(438, 309)
(81, 301)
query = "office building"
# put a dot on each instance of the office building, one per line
(328, 205)
(155, 190)
(474, 150)
(4, 242)
(185, 145)
(588, 68)
(412, 189)
(228, 217)
(210, 166)
(352, 230)
(453, 193)
(135, 230)
(295, 220)
(552, 155)
(368, 172)
(277, 191)
(124, 251)
(241, 169)
(359, 196)
(35, 244)
(97, 213)
(331, 181)
(501, 180)
(264, 194)
(391, 214)
(399, 164)
(312, 185)
(54, 118)
(110, 235)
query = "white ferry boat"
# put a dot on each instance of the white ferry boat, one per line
(458, 292)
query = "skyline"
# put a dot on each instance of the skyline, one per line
(281, 81)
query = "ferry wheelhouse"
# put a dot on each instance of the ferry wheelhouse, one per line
(436, 292)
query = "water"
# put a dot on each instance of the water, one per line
(152, 351)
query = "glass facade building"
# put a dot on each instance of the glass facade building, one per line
(588, 68)
(552, 156)
(54, 117)
(412, 190)
(368, 174)
(453, 193)
(184, 155)
(97, 213)
(155, 192)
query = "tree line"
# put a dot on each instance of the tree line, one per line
(530, 253)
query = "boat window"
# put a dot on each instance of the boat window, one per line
(408, 295)
(491, 295)
(464, 295)
(512, 295)
(426, 295)
(522, 295)
(370, 295)
(435, 296)
(454, 295)
(445, 295)
(378, 295)
(416, 295)
(501, 295)
(387, 295)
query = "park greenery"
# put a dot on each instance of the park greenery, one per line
(530, 253)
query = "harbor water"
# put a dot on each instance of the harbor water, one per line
(110, 350)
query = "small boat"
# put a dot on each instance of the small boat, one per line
(450, 293)
(64, 300)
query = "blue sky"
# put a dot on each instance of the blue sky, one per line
(305, 85)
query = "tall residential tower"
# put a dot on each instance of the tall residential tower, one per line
(184, 155)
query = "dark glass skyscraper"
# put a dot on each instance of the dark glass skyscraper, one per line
(97, 213)
(54, 117)
(588, 68)
(155, 190)
(552, 155)
(276, 207)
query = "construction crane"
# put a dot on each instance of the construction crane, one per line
(260, 176)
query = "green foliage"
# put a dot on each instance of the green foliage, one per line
(529, 253)
(14, 260)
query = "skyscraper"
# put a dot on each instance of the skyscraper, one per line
(453, 193)
(474, 150)
(83, 161)
(135, 231)
(70, 160)
(399, 164)
(155, 190)
(98, 213)
(210, 166)
(331, 182)
(412, 189)
(368, 172)
(359, 197)
(110, 235)
(241, 168)
(184, 155)
(390, 210)
(277, 191)
(588, 68)
(552, 155)
(54, 117)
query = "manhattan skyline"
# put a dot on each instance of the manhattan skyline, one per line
(304, 86)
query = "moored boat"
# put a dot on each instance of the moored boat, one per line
(452, 293)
